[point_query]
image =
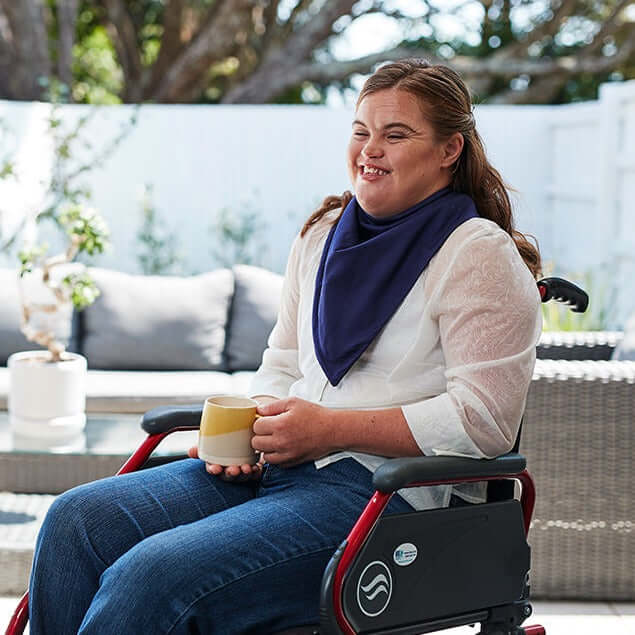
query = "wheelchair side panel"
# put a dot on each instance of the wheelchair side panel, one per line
(423, 566)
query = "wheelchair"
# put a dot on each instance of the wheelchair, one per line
(422, 571)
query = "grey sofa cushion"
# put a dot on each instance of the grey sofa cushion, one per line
(625, 350)
(157, 322)
(253, 314)
(11, 338)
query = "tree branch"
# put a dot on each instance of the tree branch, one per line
(217, 40)
(271, 77)
(609, 26)
(340, 70)
(268, 82)
(301, 43)
(7, 58)
(124, 37)
(543, 91)
(30, 45)
(272, 28)
(270, 15)
(551, 25)
(287, 29)
(541, 67)
(66, 20)
(171, 43)
(173, 49)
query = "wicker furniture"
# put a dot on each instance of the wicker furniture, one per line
(582, 345)
(578, 440)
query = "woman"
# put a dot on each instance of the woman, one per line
(407, 326)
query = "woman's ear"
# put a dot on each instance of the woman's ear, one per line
(452, 149)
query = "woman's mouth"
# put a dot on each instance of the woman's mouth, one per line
(372, 172)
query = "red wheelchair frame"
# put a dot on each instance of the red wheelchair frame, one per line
(394, 474)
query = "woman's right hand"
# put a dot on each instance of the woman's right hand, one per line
(236, 473)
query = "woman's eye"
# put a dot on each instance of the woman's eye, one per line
(395, 136)
(360, 133)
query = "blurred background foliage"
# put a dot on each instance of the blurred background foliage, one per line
(302, 51)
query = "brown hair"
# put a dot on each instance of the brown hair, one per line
(447, 104)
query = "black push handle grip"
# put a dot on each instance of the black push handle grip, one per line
(165, 418)
(565, 292)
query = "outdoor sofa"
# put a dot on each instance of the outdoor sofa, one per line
(168, 340)
(154, 340)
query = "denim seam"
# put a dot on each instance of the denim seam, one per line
(198, 599)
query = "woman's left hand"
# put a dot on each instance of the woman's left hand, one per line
(291, 431)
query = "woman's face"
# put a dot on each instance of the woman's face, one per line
(394, 160)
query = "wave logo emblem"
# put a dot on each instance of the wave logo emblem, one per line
(374, 589)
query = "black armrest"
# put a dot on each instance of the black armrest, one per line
(397, 473)
(164, 418)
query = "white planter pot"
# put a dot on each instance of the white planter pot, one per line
(47, 399)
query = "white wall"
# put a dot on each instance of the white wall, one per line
(573, 168)
(278, 160)
(590, 193)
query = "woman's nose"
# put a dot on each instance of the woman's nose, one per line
(372, 148)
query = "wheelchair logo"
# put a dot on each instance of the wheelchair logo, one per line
(405, 554)
(374, 589)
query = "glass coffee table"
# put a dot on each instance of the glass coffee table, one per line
(33, 466)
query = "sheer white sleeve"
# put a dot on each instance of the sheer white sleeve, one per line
(487, 307)
(279, 368)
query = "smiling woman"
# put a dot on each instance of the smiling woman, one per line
(407, 325)
(394, 157)
(438, 103)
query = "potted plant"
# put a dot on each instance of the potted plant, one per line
(46, 397)
(47, 387)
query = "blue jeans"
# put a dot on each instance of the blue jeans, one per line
(176, 550)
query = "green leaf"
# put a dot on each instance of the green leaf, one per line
(82, 288)
(86, 226)
(7, 169)
(31, 257)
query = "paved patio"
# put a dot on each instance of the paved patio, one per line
(559, 618)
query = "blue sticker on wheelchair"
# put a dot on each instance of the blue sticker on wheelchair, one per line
(374, 589)
(405, 554)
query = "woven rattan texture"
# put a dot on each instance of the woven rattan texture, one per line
(20, 518)
(578, 440)
(53, 473)
(578, 345)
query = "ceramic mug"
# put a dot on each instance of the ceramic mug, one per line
(226, 430)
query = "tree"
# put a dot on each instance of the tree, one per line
(258, 51)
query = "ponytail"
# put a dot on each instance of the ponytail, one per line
(328, 204)
(475, 176)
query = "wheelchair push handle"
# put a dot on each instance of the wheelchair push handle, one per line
(565, 292)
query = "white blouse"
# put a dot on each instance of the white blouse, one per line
(457, 356)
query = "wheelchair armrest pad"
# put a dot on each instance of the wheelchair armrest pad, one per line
(164, 418)
(397, 473)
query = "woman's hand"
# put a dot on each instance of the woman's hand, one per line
(291, 431)
(237, 473)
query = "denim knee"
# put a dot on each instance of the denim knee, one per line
(66, 513)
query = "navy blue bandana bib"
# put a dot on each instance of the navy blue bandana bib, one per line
(368, 267)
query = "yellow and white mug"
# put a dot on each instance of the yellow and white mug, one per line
(227, 427)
